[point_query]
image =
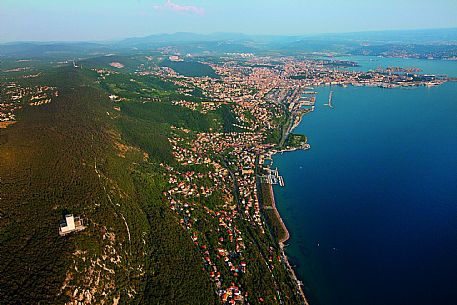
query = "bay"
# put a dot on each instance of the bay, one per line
(372, 206)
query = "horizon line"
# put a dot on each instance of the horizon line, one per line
(225, 32)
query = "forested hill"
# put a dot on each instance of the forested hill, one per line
(69, 156)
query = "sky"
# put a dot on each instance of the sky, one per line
(97, 20)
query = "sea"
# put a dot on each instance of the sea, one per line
(372, 206)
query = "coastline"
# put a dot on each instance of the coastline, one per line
(293, 163)
(283, 252)
(281, 242)
(286, 237)
(273, 205)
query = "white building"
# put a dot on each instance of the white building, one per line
(71, 224)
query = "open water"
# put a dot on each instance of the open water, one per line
(372, 206)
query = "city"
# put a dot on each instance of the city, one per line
(235, 153)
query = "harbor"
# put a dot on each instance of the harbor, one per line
(272, 177)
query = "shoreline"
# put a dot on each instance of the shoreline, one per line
(294, 124)
(281, 242)
(290, 125)
(273, 205)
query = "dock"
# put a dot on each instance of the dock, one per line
(273, 178)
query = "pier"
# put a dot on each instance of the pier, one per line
(329, 103)
(273, 178)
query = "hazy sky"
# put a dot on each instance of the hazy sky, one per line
(115, 19)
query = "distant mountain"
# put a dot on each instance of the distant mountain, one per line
(426, 36)
(43, 49)
(441, 42)
(361, 42)
(183, 37)
(401, 36)
(420, 42)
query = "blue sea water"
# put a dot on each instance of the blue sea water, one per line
(372, 206)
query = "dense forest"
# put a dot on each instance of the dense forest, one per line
(47, 170)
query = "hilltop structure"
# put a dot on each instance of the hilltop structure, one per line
(71, 224)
